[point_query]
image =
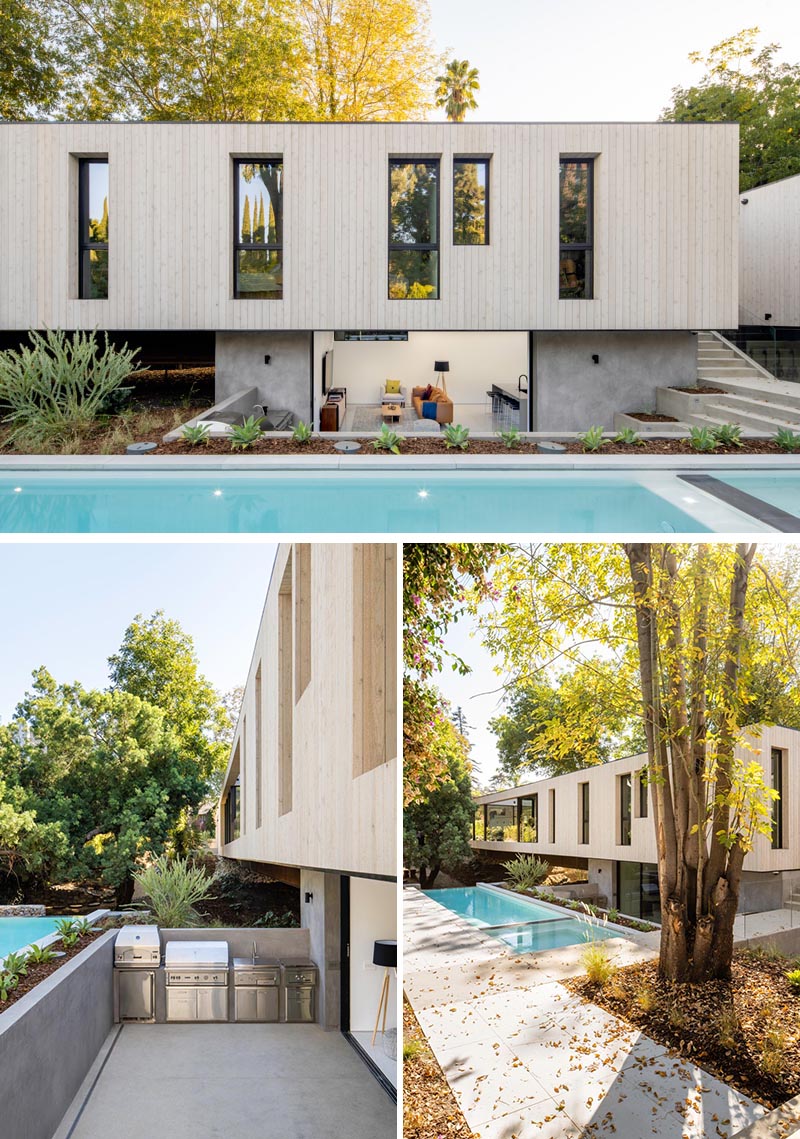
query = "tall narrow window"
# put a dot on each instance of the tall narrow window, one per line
(470, 201)
(576, 228)
(584, 799)
(285, 691)
(777, 805)
(643, 800)
(302, 618)
(414, 229)
(625, 810)
(258, 228)
(93, 229)
(374, 656)
(258, 757)
(529, 819)
(551, 802)
(479, 822)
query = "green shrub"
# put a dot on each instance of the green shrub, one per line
(57, 387)
(388, 440)
(597, 962)
(728, 435)
(793, 977)
(273, 920)
(411, 1049)
(40, 955)
(244, 435)
(592, 440)
(526, 871)
(787, 440)
(197, 435)
(173, 889)
(83, 927)
(512, 438)
(16, 963)
(302, 432)
(8, 982)
(612, 914)
(630, 436)
(456, 436)
(702, 439)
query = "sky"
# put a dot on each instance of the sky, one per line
(67, 605)
(552, 61)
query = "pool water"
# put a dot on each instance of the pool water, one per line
(524, 925)
(781, 490)
(16, 933)
(418, 502)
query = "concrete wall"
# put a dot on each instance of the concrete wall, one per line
(769, 258)
(477, 360)
(373, 915)
(571, 392)
(284, 383)
(50, 1038)
(322, 918)
(601, 873)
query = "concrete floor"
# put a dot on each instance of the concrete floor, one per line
(200, 1081)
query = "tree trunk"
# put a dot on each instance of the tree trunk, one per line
(673, 959)
(428, 876)
(123, 895)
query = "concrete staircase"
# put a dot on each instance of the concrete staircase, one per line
(748, 395)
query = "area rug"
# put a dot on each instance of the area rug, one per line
(367, 418)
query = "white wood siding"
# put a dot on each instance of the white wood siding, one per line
(604, 829)
(337, 821)
(769, 279)
(665, 226)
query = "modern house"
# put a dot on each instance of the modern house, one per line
(769, 276)
(557, 271)
(600, 820)
(310, 792)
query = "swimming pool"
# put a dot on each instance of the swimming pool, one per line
(400, 502)
(780, 490)
(16, 933)
(524, 925)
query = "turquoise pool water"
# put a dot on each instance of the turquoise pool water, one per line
(16, 933)
(522, 924)
(781, 490)
(418, 502)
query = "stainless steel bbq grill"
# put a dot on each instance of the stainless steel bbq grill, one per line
(137, 955)
(197, 980)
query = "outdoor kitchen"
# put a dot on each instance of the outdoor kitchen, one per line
(165, 976)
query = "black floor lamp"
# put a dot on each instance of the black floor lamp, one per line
(384, 953)
(442, 366)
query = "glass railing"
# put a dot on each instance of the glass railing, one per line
(776, 349)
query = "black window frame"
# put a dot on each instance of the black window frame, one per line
(534, 813)
(776, 761)
(644, 800)
(585, 814)
(417, 247)
(487, 162)
(586, 247)
(84, 244)
(240, 246)
(551, 812)
(625, 809)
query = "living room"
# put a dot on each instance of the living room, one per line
(370, 366)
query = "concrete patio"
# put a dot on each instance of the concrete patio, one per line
(526, 1058)
(252, 1081)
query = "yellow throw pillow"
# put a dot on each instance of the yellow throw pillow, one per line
(393, 387)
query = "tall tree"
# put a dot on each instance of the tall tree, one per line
(744, 83)
(456, 89)
(32, 67)
(366, 59)
(684, 626)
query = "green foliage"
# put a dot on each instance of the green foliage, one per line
(302, 432)
(411, 1049)
(16, 963)
(592, 440)
(793, 977)
(728, 435)
(40, 955)
(612, 914)
(273, 920)
(526, 871)
(199, 434)
(745, 83)
(31, 65)
(787, 439)
(438, 824)
(8, 982)
(702, 439)
(456, 436)
(630, 436)
(388, 440)
(173, 888)
(597, 963)
(67, 927)
(59, 385)
(512, 438)
(244, 435)
(456, 89)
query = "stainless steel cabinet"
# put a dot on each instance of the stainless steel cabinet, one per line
(257, 1004)
(181, 1004)
(300, 1002)
(200, 1002)
(137, 994)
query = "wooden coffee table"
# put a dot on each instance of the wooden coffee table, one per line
(391, 412)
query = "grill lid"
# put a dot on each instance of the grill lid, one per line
(138, 938)
(199, 954)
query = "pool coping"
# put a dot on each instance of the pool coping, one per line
(49, 939)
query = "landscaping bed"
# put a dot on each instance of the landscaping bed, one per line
(38, 973)
(745, 1031)
(429, 1107)
(576, 906)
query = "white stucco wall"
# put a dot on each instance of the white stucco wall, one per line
(373, 915)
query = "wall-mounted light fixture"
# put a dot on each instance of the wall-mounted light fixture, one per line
(595, 358)
(767, 316)
(745, 201)
(267, 359)
(309, 897)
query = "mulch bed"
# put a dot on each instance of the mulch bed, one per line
(705, 390)
(38, 973)
(746, 1031)
(652, 417)
(596, 911)
(429, 1107)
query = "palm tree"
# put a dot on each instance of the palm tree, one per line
(455, 90)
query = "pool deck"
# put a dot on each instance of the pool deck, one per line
(528, 1060)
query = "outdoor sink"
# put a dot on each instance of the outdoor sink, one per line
(255, 963)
